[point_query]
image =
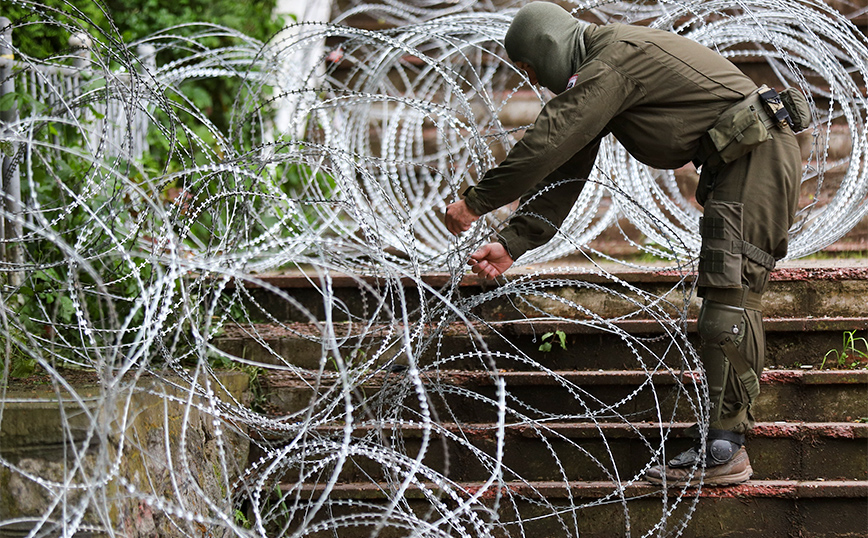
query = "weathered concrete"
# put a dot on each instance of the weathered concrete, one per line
(790, 342)
(814, 396)
(829, 445)
(792, 292)
(759, 508)
(808, 454)
(132, 441)
(598, 452)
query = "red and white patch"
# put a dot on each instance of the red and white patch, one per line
(572, 81)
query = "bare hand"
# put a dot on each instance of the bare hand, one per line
(490, 261)
(459, 217)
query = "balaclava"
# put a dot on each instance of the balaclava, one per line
(549, 38)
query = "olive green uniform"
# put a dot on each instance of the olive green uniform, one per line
(659, 93)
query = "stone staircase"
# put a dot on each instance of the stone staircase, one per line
(809, 450)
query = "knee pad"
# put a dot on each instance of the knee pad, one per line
(721, 327)
(718, 321)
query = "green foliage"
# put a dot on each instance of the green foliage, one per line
(21, 363)
(127, 20)
(22, 366)
(241, 519)
(59, 169)
(71, 191)
(44, 32)
(135, 20)
(549, 337)
(277, 507)
(850, 356)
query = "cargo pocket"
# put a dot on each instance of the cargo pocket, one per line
(720, 254)
(737, 132)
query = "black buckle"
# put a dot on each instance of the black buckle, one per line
(776, 109)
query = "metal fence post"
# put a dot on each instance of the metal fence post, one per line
(13, 227)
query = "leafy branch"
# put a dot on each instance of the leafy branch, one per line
(549, 337)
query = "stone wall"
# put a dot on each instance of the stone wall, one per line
(151, 461)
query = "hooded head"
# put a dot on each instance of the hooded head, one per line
(549, 38)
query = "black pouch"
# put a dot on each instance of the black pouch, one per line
(796, 104)
(720, 262)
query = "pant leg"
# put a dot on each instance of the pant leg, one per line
(764, 187)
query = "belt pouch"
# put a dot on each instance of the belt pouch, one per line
(738, 131)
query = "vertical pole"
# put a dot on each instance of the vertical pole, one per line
(13, 227)
(148, 66)
(81, 42)
(148, 57)
(6, 58)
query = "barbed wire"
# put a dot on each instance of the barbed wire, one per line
(142, 307)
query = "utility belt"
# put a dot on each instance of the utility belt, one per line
(748, 123)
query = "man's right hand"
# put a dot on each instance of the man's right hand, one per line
(490, 261)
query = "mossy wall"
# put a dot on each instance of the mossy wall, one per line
(151, 460)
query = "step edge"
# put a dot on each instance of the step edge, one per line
(791, 489)
(567, 272)
(518, 378)
(799, 431)
(531, 327)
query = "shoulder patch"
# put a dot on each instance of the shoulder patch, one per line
(572, 81)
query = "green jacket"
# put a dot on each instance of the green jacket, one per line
(655, 91)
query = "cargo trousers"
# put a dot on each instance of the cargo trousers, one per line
(749, 206)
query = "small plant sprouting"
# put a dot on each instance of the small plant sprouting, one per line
(849, 351)
(548, 338)
(241, 520)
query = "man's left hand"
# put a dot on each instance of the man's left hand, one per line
(490, 261)
(459, 217)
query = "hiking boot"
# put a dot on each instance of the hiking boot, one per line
(726, 463)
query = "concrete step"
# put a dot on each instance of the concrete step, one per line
(808, 452)
(812, 425)
(812, 342)
(555, 451)
(604, 396)
(793, 292)
(823, 509)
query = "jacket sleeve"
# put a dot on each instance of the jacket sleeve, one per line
(545, 207)
(564, 127)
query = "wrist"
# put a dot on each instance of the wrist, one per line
(473, 204)
(513, 243)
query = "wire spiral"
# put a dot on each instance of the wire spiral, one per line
(147, 230)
